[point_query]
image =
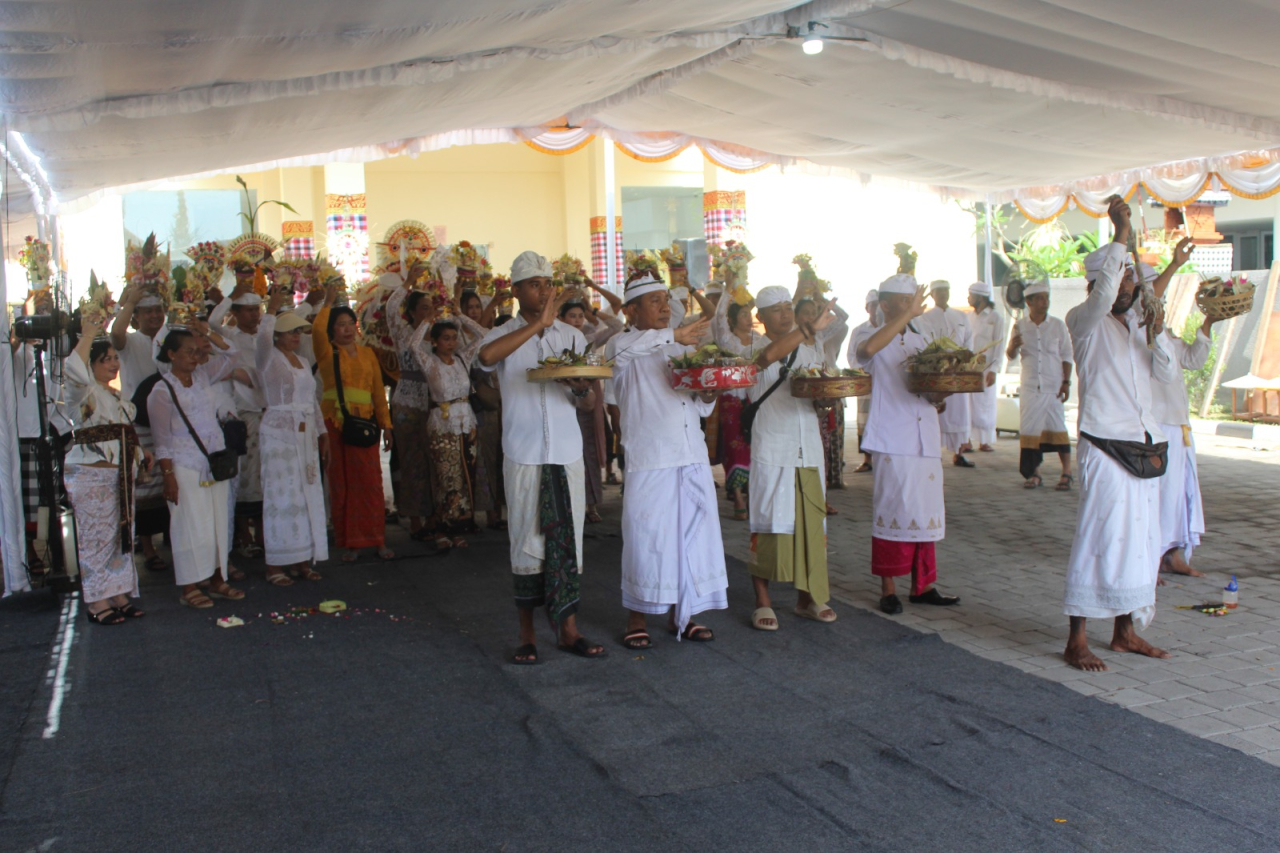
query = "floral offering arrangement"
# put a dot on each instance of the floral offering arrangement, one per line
(1222, 300)
(709, 355)
(146, 267)
(97, 306)
(210, 256)
(35, 258)
(571, 364)
(644, 260)
(906, 258)
(808, 277)
(945, 367)
(823, 372)
(820, 382)
(567, 271)
(468, 260)
(731, 261)
(188, 289)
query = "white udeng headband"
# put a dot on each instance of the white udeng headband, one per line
(640, 286)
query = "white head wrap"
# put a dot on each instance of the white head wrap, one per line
(636, 288)
(249, 300)
(149, 301)
(873, 297)
(1148, 273)
(530, 265)
(939, 284)
(679, 293)
(980, 288)
(900, 283)
(774, 294)
(715, 287)
(1093, 263)
(1035, 287)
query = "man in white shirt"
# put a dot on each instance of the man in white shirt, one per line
(988, 335)
(543, 468)
(1115, 554)
(1181, 510)
(251, 402)
(1043, 347)
(672, 552)
(942, 321)
(787, 490)
(907, 508)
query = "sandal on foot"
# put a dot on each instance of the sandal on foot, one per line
(759, 615)
(309, 574)
(816, 613)
(278, 579)
(695, 633)
(131, 611)
(863, 468)
(934, 597)
(637, 640)
(593, 517)
(526, 655)
(1064, 484)
(195, 598)
(1032, 482)
(584, 648)
(107, 616)
(227, 591)
(385, 553)
(157, 564)
(459, 542)
(350, 555)
(443, 544)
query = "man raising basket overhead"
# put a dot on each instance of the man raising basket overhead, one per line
(1116, 552)
(907, 511)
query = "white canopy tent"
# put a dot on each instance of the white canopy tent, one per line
(1043, 102)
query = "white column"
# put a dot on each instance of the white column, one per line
(610, 233)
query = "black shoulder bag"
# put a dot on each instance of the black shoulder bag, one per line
(356, 432)
(751, 409)
(224, 464)
(1144, 460)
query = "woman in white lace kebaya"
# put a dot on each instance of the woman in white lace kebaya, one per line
(293, 447)
(451, 426)
(100, 467)
(409, 316)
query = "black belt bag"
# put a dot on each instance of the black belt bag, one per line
(356, 432)
(1144, 460)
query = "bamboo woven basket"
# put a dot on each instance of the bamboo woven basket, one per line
(973, 382)
(555, 374)
(830, 387)
(1224, 307)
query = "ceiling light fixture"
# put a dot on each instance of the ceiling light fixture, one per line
(812, 43)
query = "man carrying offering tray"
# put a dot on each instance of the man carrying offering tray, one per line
(543, 468)
(672, 553)
(787, 491)
(908, 512)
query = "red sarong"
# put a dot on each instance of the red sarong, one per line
(890, 559)
(355, 493)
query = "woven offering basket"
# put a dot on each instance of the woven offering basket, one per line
(830, 387)
(947, 383)
(713, 378)
(1224, 307)
(555, 374)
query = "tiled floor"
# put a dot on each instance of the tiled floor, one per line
(1005, 556)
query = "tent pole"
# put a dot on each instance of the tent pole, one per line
(12, 536)
(986, 271)
(610, 233)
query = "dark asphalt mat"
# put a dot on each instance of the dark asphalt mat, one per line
(407, 729)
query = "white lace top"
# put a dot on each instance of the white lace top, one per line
(290, 391)
(173, 439)
(411, 391)
(450, 385)
(724, 337)
(90, 405)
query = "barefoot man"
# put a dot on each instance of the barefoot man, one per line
(1115, 555)
(672, 551)
(543, 469)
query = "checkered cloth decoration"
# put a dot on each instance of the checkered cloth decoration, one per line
(347, 235)
(298, 239)
(722, 209)
(599, 270)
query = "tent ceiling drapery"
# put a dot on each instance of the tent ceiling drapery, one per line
(1040, 101)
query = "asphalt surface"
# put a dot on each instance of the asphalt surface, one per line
(400, 725)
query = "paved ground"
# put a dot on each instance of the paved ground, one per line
(1005, 555)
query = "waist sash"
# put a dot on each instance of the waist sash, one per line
(128, 438)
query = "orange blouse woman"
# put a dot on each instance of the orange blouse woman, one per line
(355, 473)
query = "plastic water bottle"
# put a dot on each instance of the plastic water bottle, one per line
(1231, 594)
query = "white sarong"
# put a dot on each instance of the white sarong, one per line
(954, 422)
(249, 482)
(771, 497)
(105, 570)
(906, 498)
(198, 528)
(1041, 413)
(1181, 511)
(672, 550)
(982, 415)
(1115, 555)
(522, 483)
(293, 518)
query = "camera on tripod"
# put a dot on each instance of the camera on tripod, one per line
(45, 327)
